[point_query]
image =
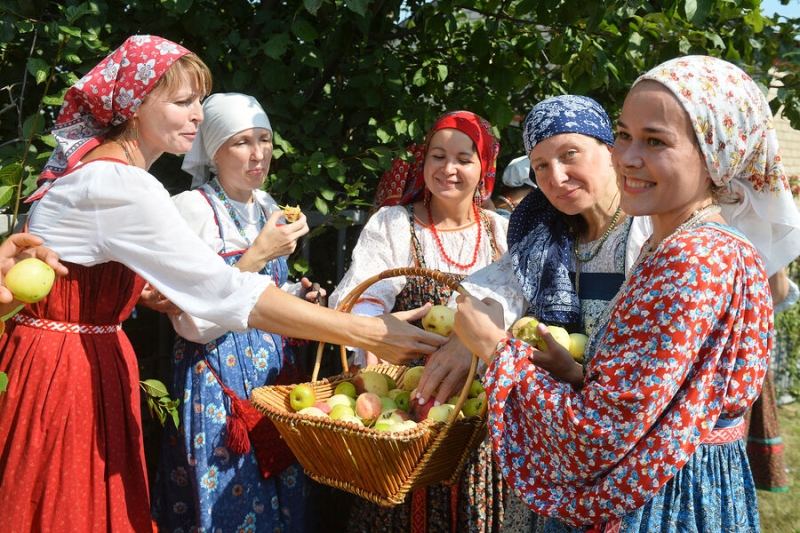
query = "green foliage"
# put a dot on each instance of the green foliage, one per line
(348, 84)
(159, 403)
(3, 382)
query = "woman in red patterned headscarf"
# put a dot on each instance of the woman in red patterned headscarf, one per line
(429, 215)
(70, 425)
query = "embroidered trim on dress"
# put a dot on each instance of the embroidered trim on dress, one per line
(65, 327)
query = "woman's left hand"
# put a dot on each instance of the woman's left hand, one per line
(557, 360)
(311, 295)
(479, 325)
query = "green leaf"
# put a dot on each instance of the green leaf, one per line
(304, 30)
(155, 388)
(6, 194)
(276, 45)
(357, 6)
(3, 382)
(312, 5)
(39, 69)
(320, 205)
(12, 174)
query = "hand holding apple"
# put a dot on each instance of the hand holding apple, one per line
(30, 280)
(439, 320)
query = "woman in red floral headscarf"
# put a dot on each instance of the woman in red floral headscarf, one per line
(429, 215)
(70, 425)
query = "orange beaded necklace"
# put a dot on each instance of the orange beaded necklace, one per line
(439, 242)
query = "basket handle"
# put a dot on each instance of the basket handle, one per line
(349, 301)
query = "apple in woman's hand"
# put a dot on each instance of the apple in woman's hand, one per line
(30, 280)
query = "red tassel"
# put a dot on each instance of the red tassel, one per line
(237, 440)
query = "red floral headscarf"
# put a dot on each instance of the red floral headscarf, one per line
(404, 183)
(107, 96)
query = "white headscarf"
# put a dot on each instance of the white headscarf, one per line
(736, 134)
(517, 173)
(226, 114)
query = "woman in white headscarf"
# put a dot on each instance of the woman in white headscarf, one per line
(648, 437)
(206, 478)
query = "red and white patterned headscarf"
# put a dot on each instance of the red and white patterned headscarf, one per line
(404, 183)
(107, 96)
(736, 134)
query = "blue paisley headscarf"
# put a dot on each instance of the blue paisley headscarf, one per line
(539, 237)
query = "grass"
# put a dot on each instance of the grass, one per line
(780, 511)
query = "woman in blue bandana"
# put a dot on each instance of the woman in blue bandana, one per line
(569, 243)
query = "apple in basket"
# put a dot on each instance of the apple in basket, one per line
(346, 388)
(411, 377)
(371, 381)
(473, 406)
(419, 412)
(368, 407)
(301, 396)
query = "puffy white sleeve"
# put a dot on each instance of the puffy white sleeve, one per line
(384, 243)
(199, 215)
(106, 211)
(498, 282)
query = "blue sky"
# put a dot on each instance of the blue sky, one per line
(769, 7)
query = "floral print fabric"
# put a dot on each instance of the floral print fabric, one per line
(686, 344)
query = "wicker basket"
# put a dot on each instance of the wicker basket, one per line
(379, 466)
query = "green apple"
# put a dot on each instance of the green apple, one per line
(559, 334)
(30, 280)
(346, 388)
(390, 382)
(340, 411)
(472, 407)
(475, 388)
(370, 381)
(411, 377)
(384, 425)
(301, 397)
(521, 323)
(527, 332)
(402, 400)
(387, 403)
(453, 400)
(312, 411)
(439, 320)
(577, 345)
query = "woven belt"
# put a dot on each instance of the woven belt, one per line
(64, 327)
(726, 435)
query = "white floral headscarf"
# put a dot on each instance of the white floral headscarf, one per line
(736, 134)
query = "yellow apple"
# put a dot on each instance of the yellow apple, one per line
(340, 411)
(341, 399)
(30, 280)
(439, 320)
(559, 334)
(312, 411)
(411, 377)
(577, 345)
(440, 413)
(371, 381)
